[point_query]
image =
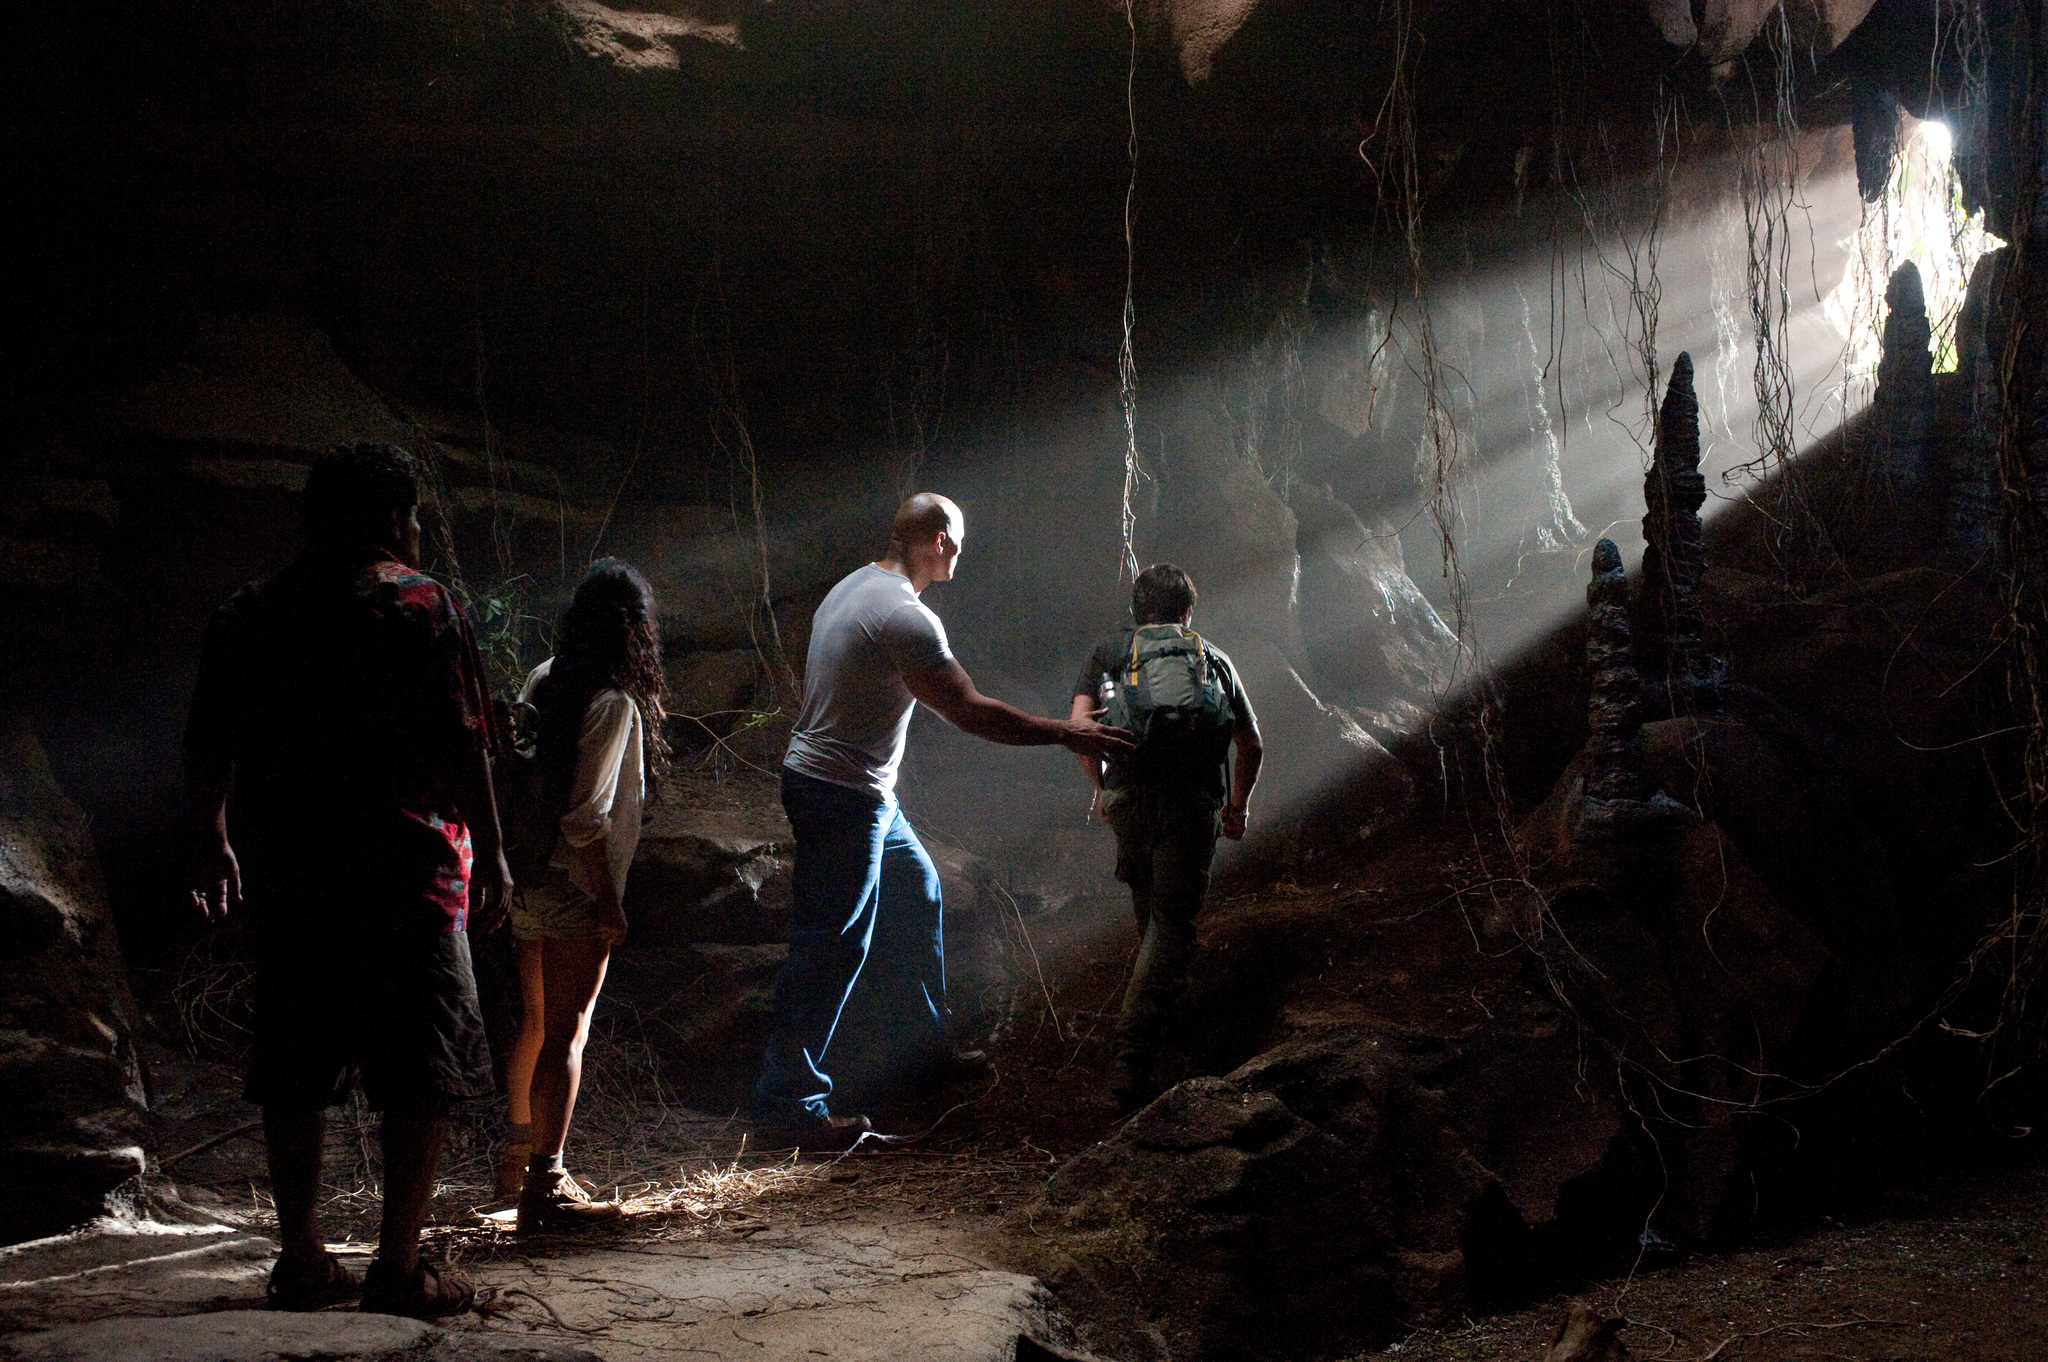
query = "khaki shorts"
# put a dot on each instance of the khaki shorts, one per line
(553, 909)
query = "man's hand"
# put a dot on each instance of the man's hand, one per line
(1233, 822)
(490, 892)
(1088, 738)
(216, 876)
(611, 923)
(950, 691)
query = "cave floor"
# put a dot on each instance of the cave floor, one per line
(901, 1251)
(1952, 1269)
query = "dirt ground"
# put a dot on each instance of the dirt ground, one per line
(1948, 1270)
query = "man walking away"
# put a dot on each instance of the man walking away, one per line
(1166, 799)
(865, 893)
(345, 700)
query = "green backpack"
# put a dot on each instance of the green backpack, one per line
(1172, 693)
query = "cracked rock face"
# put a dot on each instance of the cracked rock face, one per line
(1333, 1185)
(69, 1130)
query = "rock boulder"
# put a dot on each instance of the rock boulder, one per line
(69, 1134)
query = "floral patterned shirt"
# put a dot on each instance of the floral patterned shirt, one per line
(350, 694)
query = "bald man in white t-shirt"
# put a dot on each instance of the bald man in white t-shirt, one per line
(865, 892)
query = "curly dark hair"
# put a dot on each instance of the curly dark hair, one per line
(610, 637)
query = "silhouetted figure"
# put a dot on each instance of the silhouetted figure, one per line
(599, 711)
(1904, 402)
(864, 891)
(345, 701)
(1169, 797)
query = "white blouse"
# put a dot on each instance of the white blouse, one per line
(610, 789)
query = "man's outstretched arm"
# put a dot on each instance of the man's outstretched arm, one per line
(948, 689)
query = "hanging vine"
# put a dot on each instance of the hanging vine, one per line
(1126, 359)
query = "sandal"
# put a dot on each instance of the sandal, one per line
(304, 1286)
(556, 1201)
(424, 1293)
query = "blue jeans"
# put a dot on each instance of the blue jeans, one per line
(865, 895)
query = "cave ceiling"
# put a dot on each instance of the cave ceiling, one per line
(565, 188)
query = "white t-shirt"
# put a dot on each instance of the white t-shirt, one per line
(610, 789)
(869, 633)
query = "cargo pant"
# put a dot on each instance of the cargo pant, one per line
(1165, 841)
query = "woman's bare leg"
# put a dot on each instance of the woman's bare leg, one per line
(532, 1027)
(572, 972)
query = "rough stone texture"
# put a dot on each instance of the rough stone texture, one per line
(707, 691)
(119, 1266)
(1198, 28)
(636, 40)
(1373, 641)
(1697, 979)
(706, 565)
(1905, 398)
(259, 380)
(1586, 1335)
(1614, 709)
(1669, 628)
(68, 1135)
(263, 1336)
(1329, 1187)
(1314, 750)
(1218, 519)
(1874, 121)
(701, 875)
(1674, 21)
(873, 1289)
(1815, 27)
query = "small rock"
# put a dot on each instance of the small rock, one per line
(1585, 1336)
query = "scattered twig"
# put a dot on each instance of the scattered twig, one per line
(209, 1142)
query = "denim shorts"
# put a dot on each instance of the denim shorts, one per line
(553, 909)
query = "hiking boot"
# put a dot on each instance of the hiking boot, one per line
(427, 1292)
(311, 1285)
(556, 1201)
(510, 1179)
(807, 1130)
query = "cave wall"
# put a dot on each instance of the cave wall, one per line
(591, 256)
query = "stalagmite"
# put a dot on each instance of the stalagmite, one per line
(1614, 704)
(1904, 405)
(1670, 628)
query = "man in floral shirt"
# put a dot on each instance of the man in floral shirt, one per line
(344, 699)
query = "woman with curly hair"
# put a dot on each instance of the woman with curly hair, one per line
(598, 703)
